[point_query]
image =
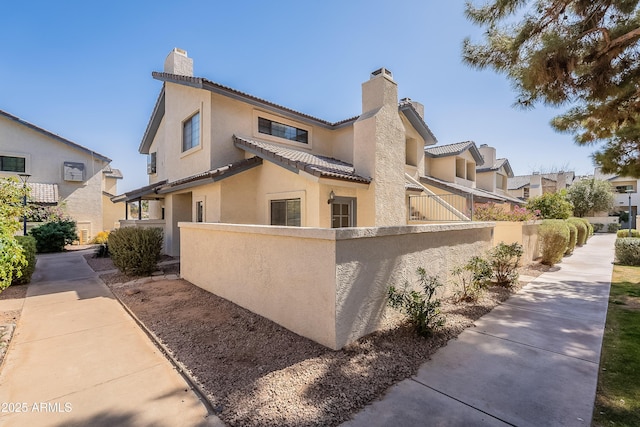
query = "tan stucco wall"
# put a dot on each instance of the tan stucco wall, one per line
(524, 233)
(45, 159)
(112, 214)
(326, 284)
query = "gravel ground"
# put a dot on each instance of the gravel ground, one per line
(14, 292)
(257, 373)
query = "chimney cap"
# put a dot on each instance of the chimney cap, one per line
(384, 71)
(483, 145)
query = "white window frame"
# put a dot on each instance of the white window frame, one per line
(202, 201)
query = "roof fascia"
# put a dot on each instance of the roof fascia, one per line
(417, 122)
(54, 136)
(154, 123)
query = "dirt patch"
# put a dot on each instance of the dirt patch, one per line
(17, 293)
(256, 372)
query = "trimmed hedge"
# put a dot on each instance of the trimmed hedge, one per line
(583, 230)
(628, 251)
(612, 227)
(554, 237)
(28, 244)
(135, 250)
(573, 238)
(625, 233)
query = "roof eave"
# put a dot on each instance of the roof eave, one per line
(418, 123)
(154, 123)
(54, 136)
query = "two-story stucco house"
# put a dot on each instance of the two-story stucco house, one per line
(60, 171)
(216, 154)
(465, 175)
(537, 184)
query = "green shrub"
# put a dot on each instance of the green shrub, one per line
(554, 238)
(625, 233)
(613, 227)
(582, 230)
(12, 260)
(422, 308)
(589, 228)
(135, 250)
(504, 260)
(28, 244)
(54, 236)
(597, 227)
(551, 205)
(472, 278)
(101, 238)
(628, 251)
(573, 238)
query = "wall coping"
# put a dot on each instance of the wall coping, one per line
(336, 233)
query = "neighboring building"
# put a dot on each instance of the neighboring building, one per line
(456, 173)
(493, 174)
(62, 173)
(536, 184)
(216, 154)
(626, 189)
(111, 212)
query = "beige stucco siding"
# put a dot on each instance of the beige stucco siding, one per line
(45, 162)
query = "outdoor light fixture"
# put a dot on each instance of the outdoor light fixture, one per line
(332, 197)
(24, 177)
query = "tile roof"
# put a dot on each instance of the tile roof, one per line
(480, 195)
(517, 182)
(113, 173)
(455, 149)
(293, 159)
(54, 136)
(410, 186)
(43, 193)
(499, 163)
(207, 177)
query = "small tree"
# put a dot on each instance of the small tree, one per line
(590, 195)
(551, 205)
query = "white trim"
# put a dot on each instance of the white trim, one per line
(200, 141)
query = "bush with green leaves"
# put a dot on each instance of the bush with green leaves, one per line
(625, 233)
(613, 227)
(628, 251)
(472, 278)
(504, 260)
(135, 250)
(589, 227)
(573, 238)
(551, 205)
(12, 259)
(54, 236)
(597, 227)
(590, 196)
(582, 230)
(493, 212)
(422, 308)
(28, 244)
(554, 238)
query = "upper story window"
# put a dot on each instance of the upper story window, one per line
(270, 127)
(12, 164)
(151, 163)
(624, 189)
(191, 132)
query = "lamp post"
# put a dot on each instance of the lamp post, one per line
(24, 177)
(629, 193)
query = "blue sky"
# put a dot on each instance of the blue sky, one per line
(82, 69)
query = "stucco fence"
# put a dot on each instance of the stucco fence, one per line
(524, 233)
(329, 285)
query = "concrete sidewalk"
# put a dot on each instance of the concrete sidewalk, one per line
(532, 361)
(78, 358)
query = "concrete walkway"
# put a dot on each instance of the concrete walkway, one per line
(532, 361)
(78, 358)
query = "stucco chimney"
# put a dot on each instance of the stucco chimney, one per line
(535, 185)
(179, 63)
(488, 154)
(379, 152)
